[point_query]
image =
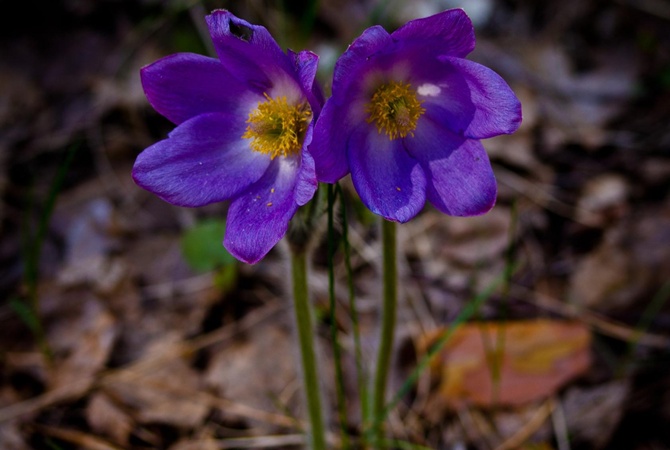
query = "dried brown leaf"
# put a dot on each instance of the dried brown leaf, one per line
(166, 393)
(603, 199)
(106, 418)
(86, 339)
(10, 432)
(259, 370)
(510, 363)
(630, 264)
(592, 413)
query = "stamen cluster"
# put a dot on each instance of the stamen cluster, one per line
(278, 128)
(395, 110)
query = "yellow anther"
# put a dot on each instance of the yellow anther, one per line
(395, 109)
(278, 128)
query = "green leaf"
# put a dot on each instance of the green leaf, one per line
(202, 246)
(26, 314)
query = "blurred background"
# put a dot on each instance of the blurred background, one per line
(124, 325)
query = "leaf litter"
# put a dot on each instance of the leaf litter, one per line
(150, 353)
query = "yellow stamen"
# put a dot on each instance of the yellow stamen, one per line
(395, 109)
(277, 128)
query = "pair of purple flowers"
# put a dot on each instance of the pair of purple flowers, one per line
(405, 118)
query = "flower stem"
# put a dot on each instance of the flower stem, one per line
(303, 318)
(337, 349)
(390, 303)
(362, 374)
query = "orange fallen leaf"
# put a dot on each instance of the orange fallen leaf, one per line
(508, 364)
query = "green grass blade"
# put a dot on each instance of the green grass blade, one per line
(650, 312)
(337, 351)
(32, 249)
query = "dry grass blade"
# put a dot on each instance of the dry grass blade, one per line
(233, 408)
(81, 439)
(79, 388)
(531, 426)
(68, 392)
(561, 431)
(602, 324)
(289, 440)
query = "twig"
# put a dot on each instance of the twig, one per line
(262, 441)
(602, 324)
(529, 428)
(79, 438)
(560, 426)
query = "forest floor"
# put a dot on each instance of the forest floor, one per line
(114, 334)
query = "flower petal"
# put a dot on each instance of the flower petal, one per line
(371, 41)
(329, 145)
(450, 32)
(460, 180)
(472, 99)
(204, 160)
(307, 182)
(353, 76)
(248, 51)
(259, 218)
(306, 64)
(389, 181)
(183, 85)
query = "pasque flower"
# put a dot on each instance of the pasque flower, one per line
(406, 115)
(244, 121)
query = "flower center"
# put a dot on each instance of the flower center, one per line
(395, 109)
(277, 128)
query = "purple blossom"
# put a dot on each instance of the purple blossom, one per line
(406, 116)
(244, 121)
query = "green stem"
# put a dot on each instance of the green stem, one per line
(337, 351)
(303, 318)
(470, 309)
(389, 312)
(361, 373)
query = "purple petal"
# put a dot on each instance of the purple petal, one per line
(448, 33)
(373, 40)
(345, 110)
(470, 99)
(329, 145)
(203, 161)
(248, 51)
(306, 64)
(184, 85)
(259, 218)
(389, 181)
(460, 178)
(307, 182)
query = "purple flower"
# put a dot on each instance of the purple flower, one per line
(244, 121)
(406, 115)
